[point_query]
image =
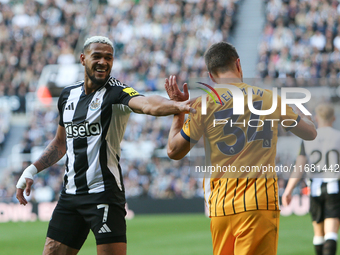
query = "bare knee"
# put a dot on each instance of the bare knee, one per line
(53, 247)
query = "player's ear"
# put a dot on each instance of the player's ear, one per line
(82, 59)
(238, 65)
(212, 77)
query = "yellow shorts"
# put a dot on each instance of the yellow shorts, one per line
(247, 233)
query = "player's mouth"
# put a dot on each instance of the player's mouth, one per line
(101, 70)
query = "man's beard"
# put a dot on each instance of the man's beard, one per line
(94, 80)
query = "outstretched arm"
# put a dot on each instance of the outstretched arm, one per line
(158, 106)
(52, 154)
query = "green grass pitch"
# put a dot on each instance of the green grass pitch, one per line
(182, 234)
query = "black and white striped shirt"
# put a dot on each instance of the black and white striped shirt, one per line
(95, 125)
(323, 155)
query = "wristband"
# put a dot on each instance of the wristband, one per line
(28, 173)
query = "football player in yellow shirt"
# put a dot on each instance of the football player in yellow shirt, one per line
(243, 206)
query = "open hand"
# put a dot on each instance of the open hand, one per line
(173, 91)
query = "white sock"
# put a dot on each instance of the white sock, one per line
(318, 240)
(331, 236)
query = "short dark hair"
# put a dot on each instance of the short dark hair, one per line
(220, 57)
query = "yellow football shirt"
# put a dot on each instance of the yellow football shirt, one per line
(247, 146)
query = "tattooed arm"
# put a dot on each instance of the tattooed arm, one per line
(54, 151)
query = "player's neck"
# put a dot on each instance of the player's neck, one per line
(90, 86)
(228, 77)
(324, 124)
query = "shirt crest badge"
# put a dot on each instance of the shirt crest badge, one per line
(95, 104)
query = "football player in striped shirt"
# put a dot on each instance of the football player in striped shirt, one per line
(322, 154)
(244, 208)
(93, 117)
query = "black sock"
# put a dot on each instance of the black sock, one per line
(329, 247)
(318, 249)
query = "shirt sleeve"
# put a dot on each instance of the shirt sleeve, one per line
(60, 109)
(126, 94)
(122, 109)
(290, 119)
(193, 129)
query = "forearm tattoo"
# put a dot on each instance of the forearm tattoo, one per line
(50, 156)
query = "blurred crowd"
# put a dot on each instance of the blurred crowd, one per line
(33, 35)
(301, 39)
(5, 115)
(155, 39)
(152, 39)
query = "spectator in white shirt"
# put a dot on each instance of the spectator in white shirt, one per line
(318, 40)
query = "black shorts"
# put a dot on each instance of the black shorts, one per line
(71, 222)
(325, 206)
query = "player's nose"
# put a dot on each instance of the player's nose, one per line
(101, 61)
